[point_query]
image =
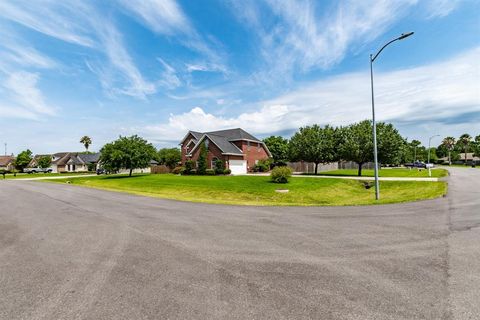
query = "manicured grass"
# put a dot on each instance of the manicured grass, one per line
(42, 175)
(401, 172)
(258, 190)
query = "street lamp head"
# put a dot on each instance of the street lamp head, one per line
(405, 35)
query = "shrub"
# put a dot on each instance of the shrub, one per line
(178, 170)
(202, 160)
(160, 169)
(281, 174)
(219, 166)
(262, 165)
(210, 172)
(189, 167)
(227, 171)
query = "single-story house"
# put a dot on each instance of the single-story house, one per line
(141, 170)
(471, 158)
(6, 163)
(74, 162)
(34, 162)
(238, 149)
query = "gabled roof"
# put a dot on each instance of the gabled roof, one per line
(6, 160)
(234, 134)
(36, 158)
(89, 157)
(196, 136)
(224, 139)
(75, 158)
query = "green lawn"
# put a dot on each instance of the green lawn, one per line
(414, 173)
(258, 190)
(42, 175)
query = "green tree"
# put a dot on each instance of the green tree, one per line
(477, 146)
(86, 141)
(23, 159)
(127, 153)
(356, 143)
(44, 162)
(415, 144)
(169, 157)
(202, 160)
(314, 144)
(464, 142)
(278, 147)
(219, 166)
(389, 144)
(449, 144)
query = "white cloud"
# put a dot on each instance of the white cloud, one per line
(124, 66)
(432, 93)
(167, 17)
(22, 98)
(169, 78)
(306, 35)
(440, 8)
(42, 17)
(81, 24)
(162, 16)
(15, 52)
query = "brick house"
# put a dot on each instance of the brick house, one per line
(238, 149)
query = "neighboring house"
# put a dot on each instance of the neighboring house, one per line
(141, 170)
(6, 163)
(470, 159)
(34, 162)
(239, 150)
(74, 162)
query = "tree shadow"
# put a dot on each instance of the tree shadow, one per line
(122, 177)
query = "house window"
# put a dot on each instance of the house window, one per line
(214, 160)
(248, 145)
(259, 147)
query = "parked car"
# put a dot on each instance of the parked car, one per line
(416, 164)
(100, 171)
(37, 170)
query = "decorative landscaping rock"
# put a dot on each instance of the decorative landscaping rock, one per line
(282, 190)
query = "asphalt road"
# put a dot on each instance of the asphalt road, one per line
(68, 252)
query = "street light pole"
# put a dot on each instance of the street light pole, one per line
(428, 158)
(374, 124)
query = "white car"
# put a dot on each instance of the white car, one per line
(37, 170)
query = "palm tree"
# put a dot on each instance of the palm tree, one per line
(449, 143)
(465, 141)
(86, 141)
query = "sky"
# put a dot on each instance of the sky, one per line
(158, 68)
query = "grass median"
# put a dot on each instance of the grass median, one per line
(258, 190)
(401, 172)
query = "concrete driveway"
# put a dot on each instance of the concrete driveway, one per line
(68, 252)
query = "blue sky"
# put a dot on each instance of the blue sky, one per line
(158, 68)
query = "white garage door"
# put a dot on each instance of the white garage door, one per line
(238, 166)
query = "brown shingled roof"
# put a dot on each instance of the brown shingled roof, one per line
(6, 160)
